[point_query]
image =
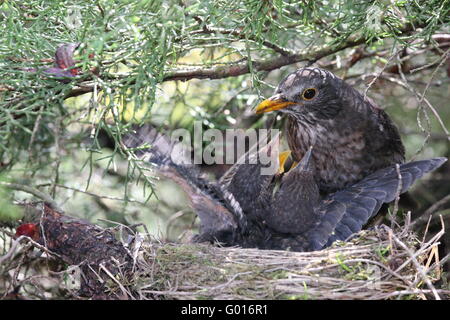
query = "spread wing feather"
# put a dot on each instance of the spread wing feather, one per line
(346, 212)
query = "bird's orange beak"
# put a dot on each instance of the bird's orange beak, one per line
(272, 104)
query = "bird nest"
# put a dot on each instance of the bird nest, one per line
(376, 264)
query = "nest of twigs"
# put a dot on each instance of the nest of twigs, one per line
(376, 264)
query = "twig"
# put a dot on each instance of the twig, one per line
(429, 105)
(39, 194)
(421, 98)
(57, 135)
(211, 30)
(37, 123)
(397, 195)
(414, 291)
(17, 241)
(99, 196)
(380, 72)
(424, 247)
(428, 213)
(418, 267)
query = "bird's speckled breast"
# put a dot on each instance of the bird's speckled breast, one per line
(337, 155)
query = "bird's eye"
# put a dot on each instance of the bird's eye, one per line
(309, 93)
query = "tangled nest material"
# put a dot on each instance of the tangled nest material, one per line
(376, 264)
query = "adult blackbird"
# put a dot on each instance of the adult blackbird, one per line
(352, 137)
(281, 211)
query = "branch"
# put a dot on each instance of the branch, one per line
(239, 68)
(77, 242)
(430, 211)
(269, 64)
(39, 194)
(211, 30)
(242, 67)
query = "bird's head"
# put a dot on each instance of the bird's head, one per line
(310, 93)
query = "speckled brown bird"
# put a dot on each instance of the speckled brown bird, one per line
(351, 136)
(280, 211)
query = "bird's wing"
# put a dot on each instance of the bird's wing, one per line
(147, 142)
(218, 212)
(219, 215)
(345, 212)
